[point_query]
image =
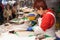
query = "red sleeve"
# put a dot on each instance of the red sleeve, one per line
(47, 22)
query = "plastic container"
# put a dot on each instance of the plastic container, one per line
(58, 35)
(29, 29)
(31, 17)
(57, 38)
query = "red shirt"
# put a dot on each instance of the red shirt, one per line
(47, 21)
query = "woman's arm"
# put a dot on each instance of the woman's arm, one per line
(4, 13)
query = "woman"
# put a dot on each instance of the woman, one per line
(7, 13)
(14, 10)
(46, 24)
(1, 13)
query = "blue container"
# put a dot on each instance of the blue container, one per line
(29, 29)
(57, 38)
(31, 15)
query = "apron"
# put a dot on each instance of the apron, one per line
(49, 32)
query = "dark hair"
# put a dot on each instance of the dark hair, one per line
(8, 5)
(15, 4)
(40, 3)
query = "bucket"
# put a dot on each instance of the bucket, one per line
(57, 38)
(58, 35)
(31, 17)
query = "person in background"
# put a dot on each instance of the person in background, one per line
(18, 6)
(14, 10)
(22, 3)
(1, 13)
(28, 3)
(7, 13)
(46, 24)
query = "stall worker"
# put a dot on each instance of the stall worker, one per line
(46, 24)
